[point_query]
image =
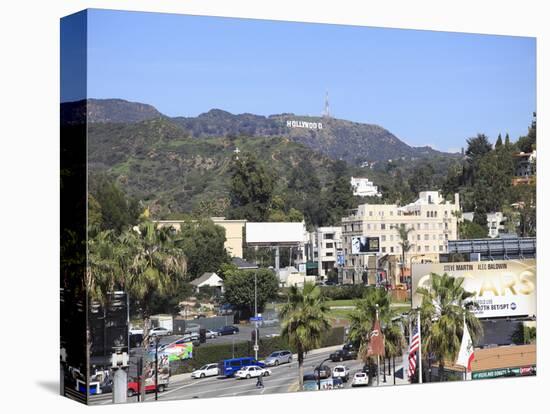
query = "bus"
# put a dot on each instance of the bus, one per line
(228, 367)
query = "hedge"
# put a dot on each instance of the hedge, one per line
(208, 354)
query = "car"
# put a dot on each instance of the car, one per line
(133, 388)
(191, 336)
(366, 369)
(343, 355)
(278, 357)
(135, 331)
(208, 370)
(252, 371)
(270, 322)
(360, 379)
(211, 334)
(342, 372)
(322, 372)
(228, 330)
(337, 383)
(160, 331)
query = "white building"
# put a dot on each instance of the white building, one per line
(363, 187)
(323, 247)
(431, 221)
(494, 222)
(208, 279)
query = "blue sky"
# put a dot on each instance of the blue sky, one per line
(428, 88)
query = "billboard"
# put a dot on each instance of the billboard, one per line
(502, 288)
(365, 245)
(275, 233)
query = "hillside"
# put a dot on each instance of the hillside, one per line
(157, 162)
(353, 142)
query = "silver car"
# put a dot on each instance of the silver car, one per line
(278, 357)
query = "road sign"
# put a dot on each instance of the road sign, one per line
(256, 319)
(256, 348)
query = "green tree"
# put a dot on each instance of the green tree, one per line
(117, 211)
(239, 288)
(444, 308)
(471, 230)
(251, 189)
(304, 320)
(362, 320)
(204, 245)
(406, 245)
(340, 194)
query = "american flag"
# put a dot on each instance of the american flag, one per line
(413, 350)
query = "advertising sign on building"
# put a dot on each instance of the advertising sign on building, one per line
(365, 245)
(502, 288)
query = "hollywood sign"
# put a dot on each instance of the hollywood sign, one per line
(304, 124)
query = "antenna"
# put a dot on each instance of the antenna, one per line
(326, 112)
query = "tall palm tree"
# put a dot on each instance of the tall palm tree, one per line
(362, 320)
(304, 321)
(445, 306)
(406, 245)
(153, 265)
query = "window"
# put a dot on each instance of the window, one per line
(418, 248)
(329, 236)
(368, 226)
(383, 226)
(329, 245)
(391, 249)
(426, 248)
(440, 248)
(391, 213)
(391, 237)
(418, 237)
(426, 226)
(383, 238)
(329, 254)
(383, 250)
(426, 237)
(417, 226)
(370, 213)
(440, 236)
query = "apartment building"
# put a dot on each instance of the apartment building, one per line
(323, 247)
(363, 187)
(431, 219)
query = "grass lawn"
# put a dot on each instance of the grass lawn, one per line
(341, 302)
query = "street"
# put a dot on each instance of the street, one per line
(283, 378)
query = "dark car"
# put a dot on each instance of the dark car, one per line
(337, 383)
(366, 369)
(228, 330)
(322, 372)
(342, 355)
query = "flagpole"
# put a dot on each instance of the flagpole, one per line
(419, 349)
(377, 357)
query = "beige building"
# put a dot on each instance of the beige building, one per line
(234, 230)
(430, 219)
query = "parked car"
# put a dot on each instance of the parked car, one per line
(252, 371)
(228, 330)
(135, 331)
(278, 357)
(322, 372)
(343, 355)
(211, 334)
(366, 369)
(360, 379)
(228, 367)
(270, 322)
(341, 371)
(208, 370)
(191, 336)
(159, 331)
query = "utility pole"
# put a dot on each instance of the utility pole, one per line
(377, 356)
(256, 315)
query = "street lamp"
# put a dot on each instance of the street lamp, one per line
(318, 369)
(156, 339)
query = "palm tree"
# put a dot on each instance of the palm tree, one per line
(362, 320)
(153, 265)
(404, 243)
(304, 320)
(445, 306)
